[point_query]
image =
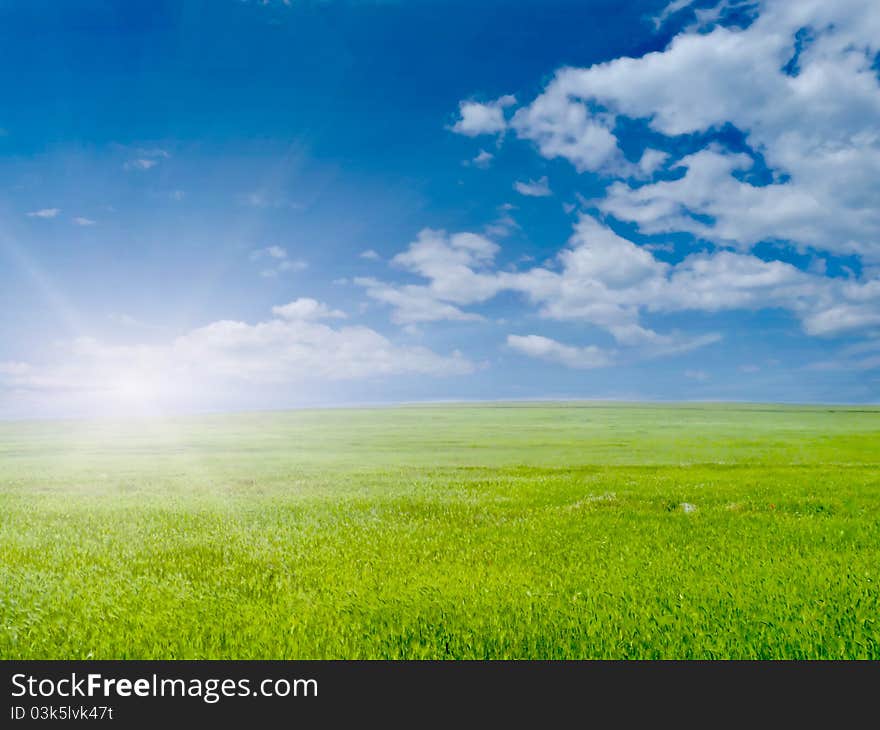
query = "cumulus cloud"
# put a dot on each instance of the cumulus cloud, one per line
(533, 188)
(799, 82)
(562, 128)
(795, 83)
(651, 160)
(305, 308)
(294, 346)
(412, 304)
(476, 118)
(454, 264)
(608, 281)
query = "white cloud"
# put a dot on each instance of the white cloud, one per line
(225, 356)
(141, 163)
(502, 226)
(482, 160)
(799, 82)
(862, 356)
(533, 188)
(278, 261)
(543, 348)
(610, 282)
(305, 309)
(44, 213)
(146, 158)
(476, 118)
(13, 369)
(80, 221)
(292, 265)
(812, 113)
(285, 349)
(700, 375)
(454, 264)
(563, 128)
(671, 9)
(271, 3)
(651, 161)
(268, 199)
(370, 255)
(126, 320)
(412, 304)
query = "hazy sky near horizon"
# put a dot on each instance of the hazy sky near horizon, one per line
(260, 204)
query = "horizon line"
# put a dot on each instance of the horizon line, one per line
(388, 405)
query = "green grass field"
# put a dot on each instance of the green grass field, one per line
(485, 531)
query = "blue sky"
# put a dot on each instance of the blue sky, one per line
(225, 205)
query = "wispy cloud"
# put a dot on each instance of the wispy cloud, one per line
(44, 213)
(142, 163)
(123, 319)
(700, 375)
(276, 260)
(266, 199)
(862, 356)
(146, 159)
(126, 320)
(502, 226)
(80, 221)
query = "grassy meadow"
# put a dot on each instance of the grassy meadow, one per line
(581, 530)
